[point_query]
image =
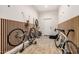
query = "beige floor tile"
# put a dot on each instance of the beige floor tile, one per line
(44, 46)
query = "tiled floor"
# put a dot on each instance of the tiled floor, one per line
(44, 46)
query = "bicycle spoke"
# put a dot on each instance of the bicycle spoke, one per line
(15, 37)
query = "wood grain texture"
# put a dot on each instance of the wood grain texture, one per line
(0, 35)
(72, 23)
(7, 25)
(44, 46)
(12, 25)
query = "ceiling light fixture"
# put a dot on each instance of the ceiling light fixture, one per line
(46, 6)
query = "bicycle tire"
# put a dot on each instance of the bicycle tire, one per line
(71, 48)
(57, 40)
(36, 23)
(8, 37)
(32, 33)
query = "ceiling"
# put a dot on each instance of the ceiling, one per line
(45, 8)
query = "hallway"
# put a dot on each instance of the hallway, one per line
(16, 20)
(44, 46)
(39, 29)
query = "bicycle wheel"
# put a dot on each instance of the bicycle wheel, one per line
(32, 33)
(70, 47)
(15, 37)
(59, 41)
(36, 23)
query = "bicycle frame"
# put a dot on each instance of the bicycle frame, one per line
(62, 40)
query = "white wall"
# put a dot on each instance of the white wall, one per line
(66, 12)
(47, 20)
(14, 12)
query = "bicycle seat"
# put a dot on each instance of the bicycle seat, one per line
(53, 36)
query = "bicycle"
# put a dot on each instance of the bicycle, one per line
(18, 36)
(64, 44)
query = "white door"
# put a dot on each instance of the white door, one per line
(47, 27)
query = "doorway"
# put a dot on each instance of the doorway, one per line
(48, 26)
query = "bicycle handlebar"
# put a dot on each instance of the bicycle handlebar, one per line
(60, 30)
(70, 30)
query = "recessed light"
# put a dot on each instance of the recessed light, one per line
(68, 5)
(46, 6)
(8, 5)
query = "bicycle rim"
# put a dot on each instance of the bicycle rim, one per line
(70, 47)
(59, 41)
(13, 40)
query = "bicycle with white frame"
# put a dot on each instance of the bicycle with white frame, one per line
(64, 44)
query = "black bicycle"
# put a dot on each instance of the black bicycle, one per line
(17, 36)
(64, 44)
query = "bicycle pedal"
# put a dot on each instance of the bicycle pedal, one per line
(35, 42)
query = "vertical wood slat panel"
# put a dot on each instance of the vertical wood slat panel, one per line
(6, 37)
(72, 23)
(76, 27)
(12, 25)
(78, 33)
(3, 35)
(0, 36)
(6, 26)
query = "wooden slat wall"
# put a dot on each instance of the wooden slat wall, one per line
(0, 36)
(76, 27)
(3, 35)
(6, 26)
(72, 23)
(12, 25)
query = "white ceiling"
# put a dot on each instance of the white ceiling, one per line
(43, 8)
